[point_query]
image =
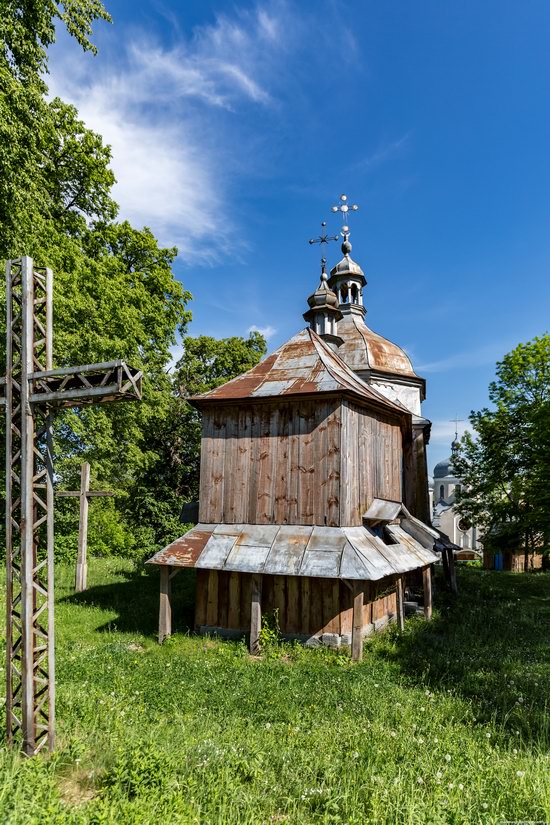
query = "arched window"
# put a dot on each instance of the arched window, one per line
(441, 491)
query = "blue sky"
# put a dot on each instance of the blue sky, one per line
(235, 126)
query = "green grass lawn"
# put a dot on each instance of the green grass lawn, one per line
(445, 724)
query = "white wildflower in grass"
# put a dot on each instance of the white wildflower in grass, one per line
(488, 735)
(447, 757)
(439, 775)
(356, 754)
(420, 780)
(520, 773)
(436, 740)
(521, 700)
(515, 750)
(393, 734)
(420, 740)
(451, 785)
(484, 805)
(461, 787)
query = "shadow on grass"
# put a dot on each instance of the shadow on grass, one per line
(491, 644)
(136, 601)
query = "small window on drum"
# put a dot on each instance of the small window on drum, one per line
(441, 491)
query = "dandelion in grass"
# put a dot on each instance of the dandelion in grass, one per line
(484, 805)
(420, 780)
(520, 773)
(460, 786)
(447, 757)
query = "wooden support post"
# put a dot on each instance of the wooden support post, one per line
(165, 609)
(400, 593)
(357, 630)
(81, 578)
(452, 572)
(255, 614)
(427, 584)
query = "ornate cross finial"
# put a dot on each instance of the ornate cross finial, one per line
(323, 237)
(456, 421)
(344, 207)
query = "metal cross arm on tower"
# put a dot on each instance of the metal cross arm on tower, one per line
(91, 383)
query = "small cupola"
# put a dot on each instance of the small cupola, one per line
(323, 313)
(347, 279)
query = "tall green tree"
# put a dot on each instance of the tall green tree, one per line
(505, 465)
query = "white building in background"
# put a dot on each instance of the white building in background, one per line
(442, 501)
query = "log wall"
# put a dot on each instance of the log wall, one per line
(310, 462)
(306, 606)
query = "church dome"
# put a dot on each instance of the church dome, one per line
(444, 468)
(365, 349)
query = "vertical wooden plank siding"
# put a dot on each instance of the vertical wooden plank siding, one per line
(254, 469)
(165, 608)
(212, 600)
(223, 598)
(293, 479)
(427, 584)
(305, 601)
(206, 505)
(306, 420)
(315, 607)
(293, 613)
(320, 459)
(357, 631)
(346, 609)
(255, 613)
(267, 446)
(234, 611)
(281, 469)
(230, 468)
(201, 597)
(334, 460)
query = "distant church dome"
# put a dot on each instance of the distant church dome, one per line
(444, 468)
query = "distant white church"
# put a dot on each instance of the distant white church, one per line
(444, 516)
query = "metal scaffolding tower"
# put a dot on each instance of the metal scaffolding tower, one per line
(33, 391)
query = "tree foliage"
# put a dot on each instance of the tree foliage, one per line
(506, 464)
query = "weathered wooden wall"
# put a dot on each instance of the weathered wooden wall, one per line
(371, 461)
(300, 462)
(306, 606)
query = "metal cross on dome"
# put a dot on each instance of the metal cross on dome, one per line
(323, 237)
(344, 207)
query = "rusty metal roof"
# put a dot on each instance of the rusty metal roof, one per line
(297, 550)
(364, 349)
(305, 364)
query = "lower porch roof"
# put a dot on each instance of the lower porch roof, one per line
(299, 550)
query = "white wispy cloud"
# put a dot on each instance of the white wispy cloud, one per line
(267, 331)
(384, 152)
(170, 115)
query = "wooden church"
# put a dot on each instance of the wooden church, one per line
(312, 484)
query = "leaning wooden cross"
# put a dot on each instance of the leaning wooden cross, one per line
(84, 494)
(33, 392)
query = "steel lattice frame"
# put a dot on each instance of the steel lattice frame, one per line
(33, 390)
(29, 510)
